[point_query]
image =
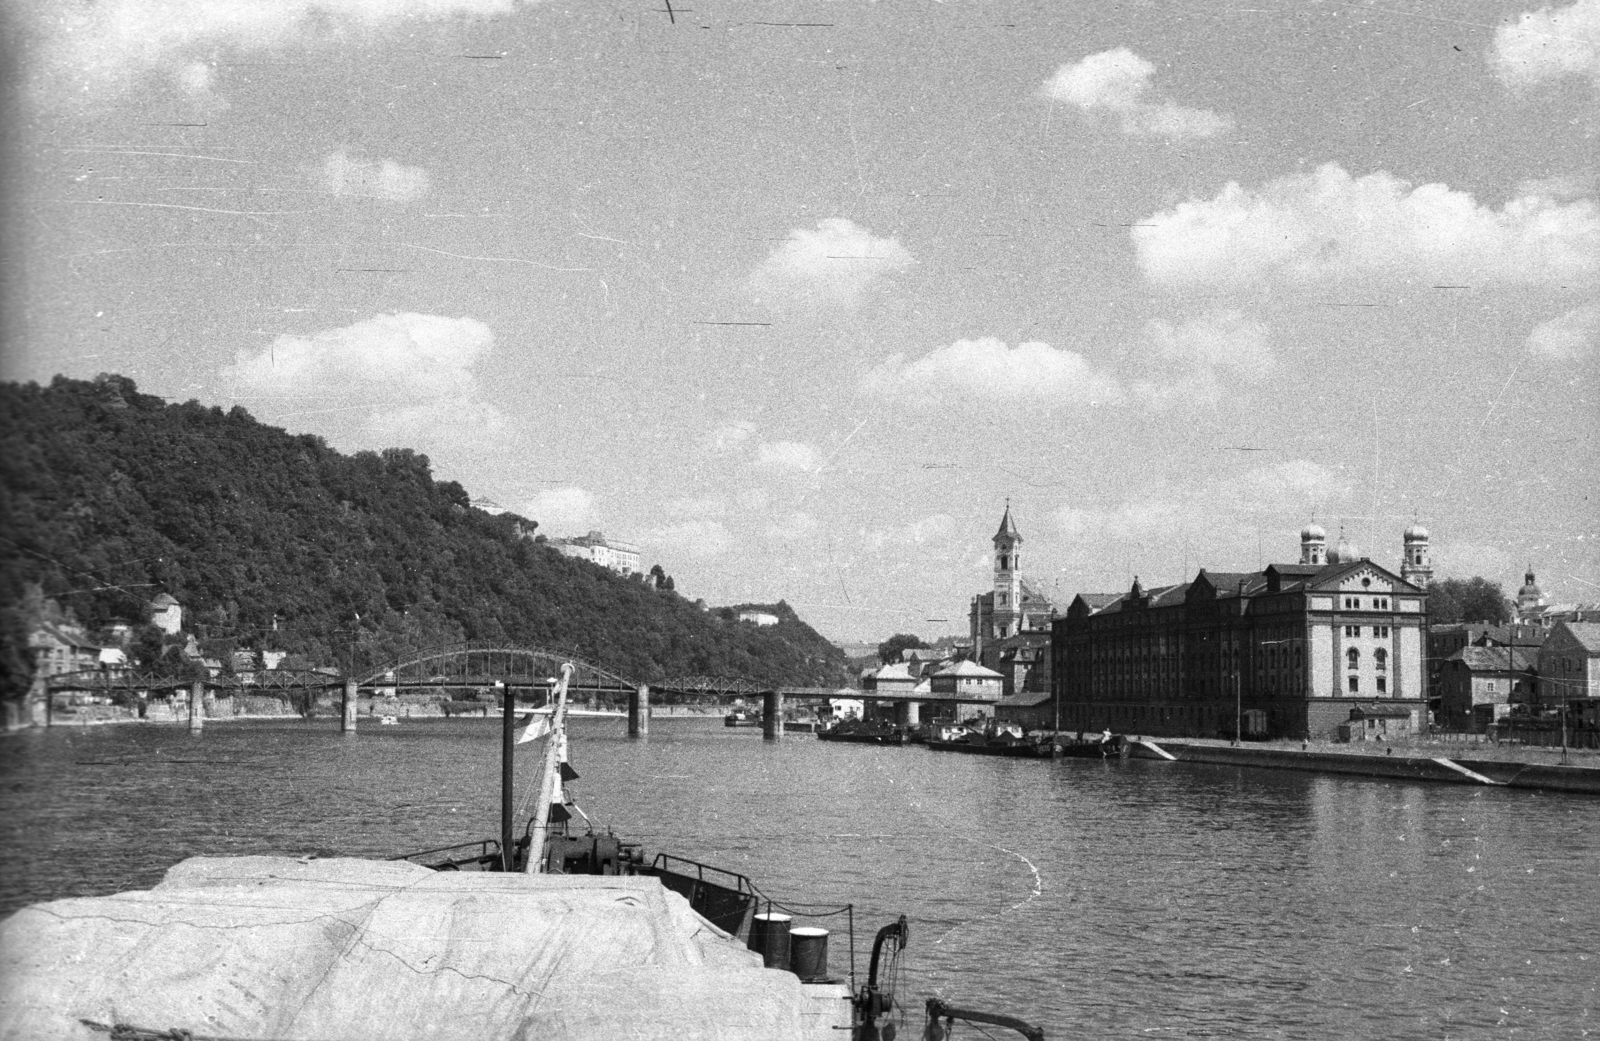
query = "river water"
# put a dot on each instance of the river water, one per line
(1108, 900)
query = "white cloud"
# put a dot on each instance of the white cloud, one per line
(1225, 511)
(788, 455)
(1466, 559)
(986, 368)
(730, 436)
(1548, 44)
(794, 527)
(699, 539)
(569, 510)
(344, 175)
(703, 507)
(414, 356)
(393, 380)
(1569, 337)
(1116, 83)
(1298, 487)
(835, 263)
(1329, 225)
(1197, 360)
(931, 536)
(111, 42)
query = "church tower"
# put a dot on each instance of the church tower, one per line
(1007, 578)
(1313, 545)
(1416, 566)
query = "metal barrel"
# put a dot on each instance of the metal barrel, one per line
(808, 954)
(769, 934)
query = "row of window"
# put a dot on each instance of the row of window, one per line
(1380, 659)
(1355, 684)
(1379, 603)
(1379, 631)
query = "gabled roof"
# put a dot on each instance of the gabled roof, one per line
(1334, 572)
(1378, 710)
(1024, 699)
(968, 670)
(1587, 634)
(1494, 659)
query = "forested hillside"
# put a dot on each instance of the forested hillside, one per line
(273, 541)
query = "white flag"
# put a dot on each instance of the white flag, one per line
(537, 727)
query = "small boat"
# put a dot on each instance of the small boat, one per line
(1105, 745)
(742, 717)
(862, 732)
(1002, 740)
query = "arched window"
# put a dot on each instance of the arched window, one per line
(1352, 658)
(1380, 659)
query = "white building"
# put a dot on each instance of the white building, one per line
(621, 557)
(758, 617)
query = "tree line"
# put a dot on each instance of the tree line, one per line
(274, 541)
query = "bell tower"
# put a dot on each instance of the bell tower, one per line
(1416, 566)
(1007, 578)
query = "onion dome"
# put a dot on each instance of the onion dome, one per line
(1529, 589)
(1416, 533)
(1344, 553)
(1313, 532)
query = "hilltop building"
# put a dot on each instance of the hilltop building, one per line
(1012, 606)
(1293, 650)
(621, 557)
(166, 614)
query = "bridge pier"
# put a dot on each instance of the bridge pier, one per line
(639, 712)
(197, 706)
(771, 715)
(347, 721)
(908, 713)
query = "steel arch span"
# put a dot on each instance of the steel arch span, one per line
(485, 664)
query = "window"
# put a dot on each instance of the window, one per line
(1380, 660)
(1383, 684)
(1352, 658)
(1355, 684)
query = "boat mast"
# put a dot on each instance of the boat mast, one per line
(508, 716)
(550, 775)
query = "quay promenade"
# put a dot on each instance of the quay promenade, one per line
(1487, 764)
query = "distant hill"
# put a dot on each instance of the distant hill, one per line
(274, 541)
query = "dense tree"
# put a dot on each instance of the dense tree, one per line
(1467, 600)
(889, 650)
(274, 541)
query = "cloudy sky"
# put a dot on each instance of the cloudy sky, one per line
(796, 294)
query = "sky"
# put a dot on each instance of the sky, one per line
(797, 295)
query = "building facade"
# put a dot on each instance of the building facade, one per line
(621, 557)
(1480, 686)
(1569, 664)
(1295, 647)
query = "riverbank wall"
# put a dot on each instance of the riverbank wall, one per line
(1507, 770)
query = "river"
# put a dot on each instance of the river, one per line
(1131, 899)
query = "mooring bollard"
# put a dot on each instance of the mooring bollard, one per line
(771, 715)
(348, 723)
(197, 707)
(769, 935)
(639, 712)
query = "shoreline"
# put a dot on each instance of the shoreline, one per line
(1522, 768)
